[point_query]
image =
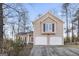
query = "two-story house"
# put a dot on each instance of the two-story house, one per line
(48, 30)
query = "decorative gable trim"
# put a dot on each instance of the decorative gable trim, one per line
(46, 17)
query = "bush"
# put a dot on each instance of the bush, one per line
(17, 47)
(66, 40)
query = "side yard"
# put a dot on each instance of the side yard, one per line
(24, 51)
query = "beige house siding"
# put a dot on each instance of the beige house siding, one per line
(45, 19)
(48, 20)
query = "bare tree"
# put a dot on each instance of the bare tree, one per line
(65, 10)
(1, 26)
(77, 19)
(19, 16)
(23, 21)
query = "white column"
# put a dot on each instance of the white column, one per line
(27, 38)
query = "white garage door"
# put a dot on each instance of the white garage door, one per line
(40, 41)
(52, 41)
(56, 41)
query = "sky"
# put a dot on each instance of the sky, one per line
(34, 9)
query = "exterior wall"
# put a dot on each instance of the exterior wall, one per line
(22, 37)
(45, 19)
(38, 29)
(48, 20)
(29, 37)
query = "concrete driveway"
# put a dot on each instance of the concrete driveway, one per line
(54, 51)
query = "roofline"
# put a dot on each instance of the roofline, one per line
(23, 33)
(45, 14)
(39, 18)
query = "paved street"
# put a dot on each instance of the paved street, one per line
(54, 51)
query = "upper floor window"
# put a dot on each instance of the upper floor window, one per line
(48, 27)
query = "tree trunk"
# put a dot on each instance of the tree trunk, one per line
(78, 29)
(72, 33)
(67, 22)
(1, 27)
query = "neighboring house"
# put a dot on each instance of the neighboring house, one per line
(25, 37)
(48, 30)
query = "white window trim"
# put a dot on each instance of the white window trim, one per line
(47, 27)
(51, 31)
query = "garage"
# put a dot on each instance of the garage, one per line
(56, 41)
(52, 41)
(40, 41)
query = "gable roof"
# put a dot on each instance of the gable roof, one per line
(50, 13)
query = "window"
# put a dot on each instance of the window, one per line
(48, 27)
